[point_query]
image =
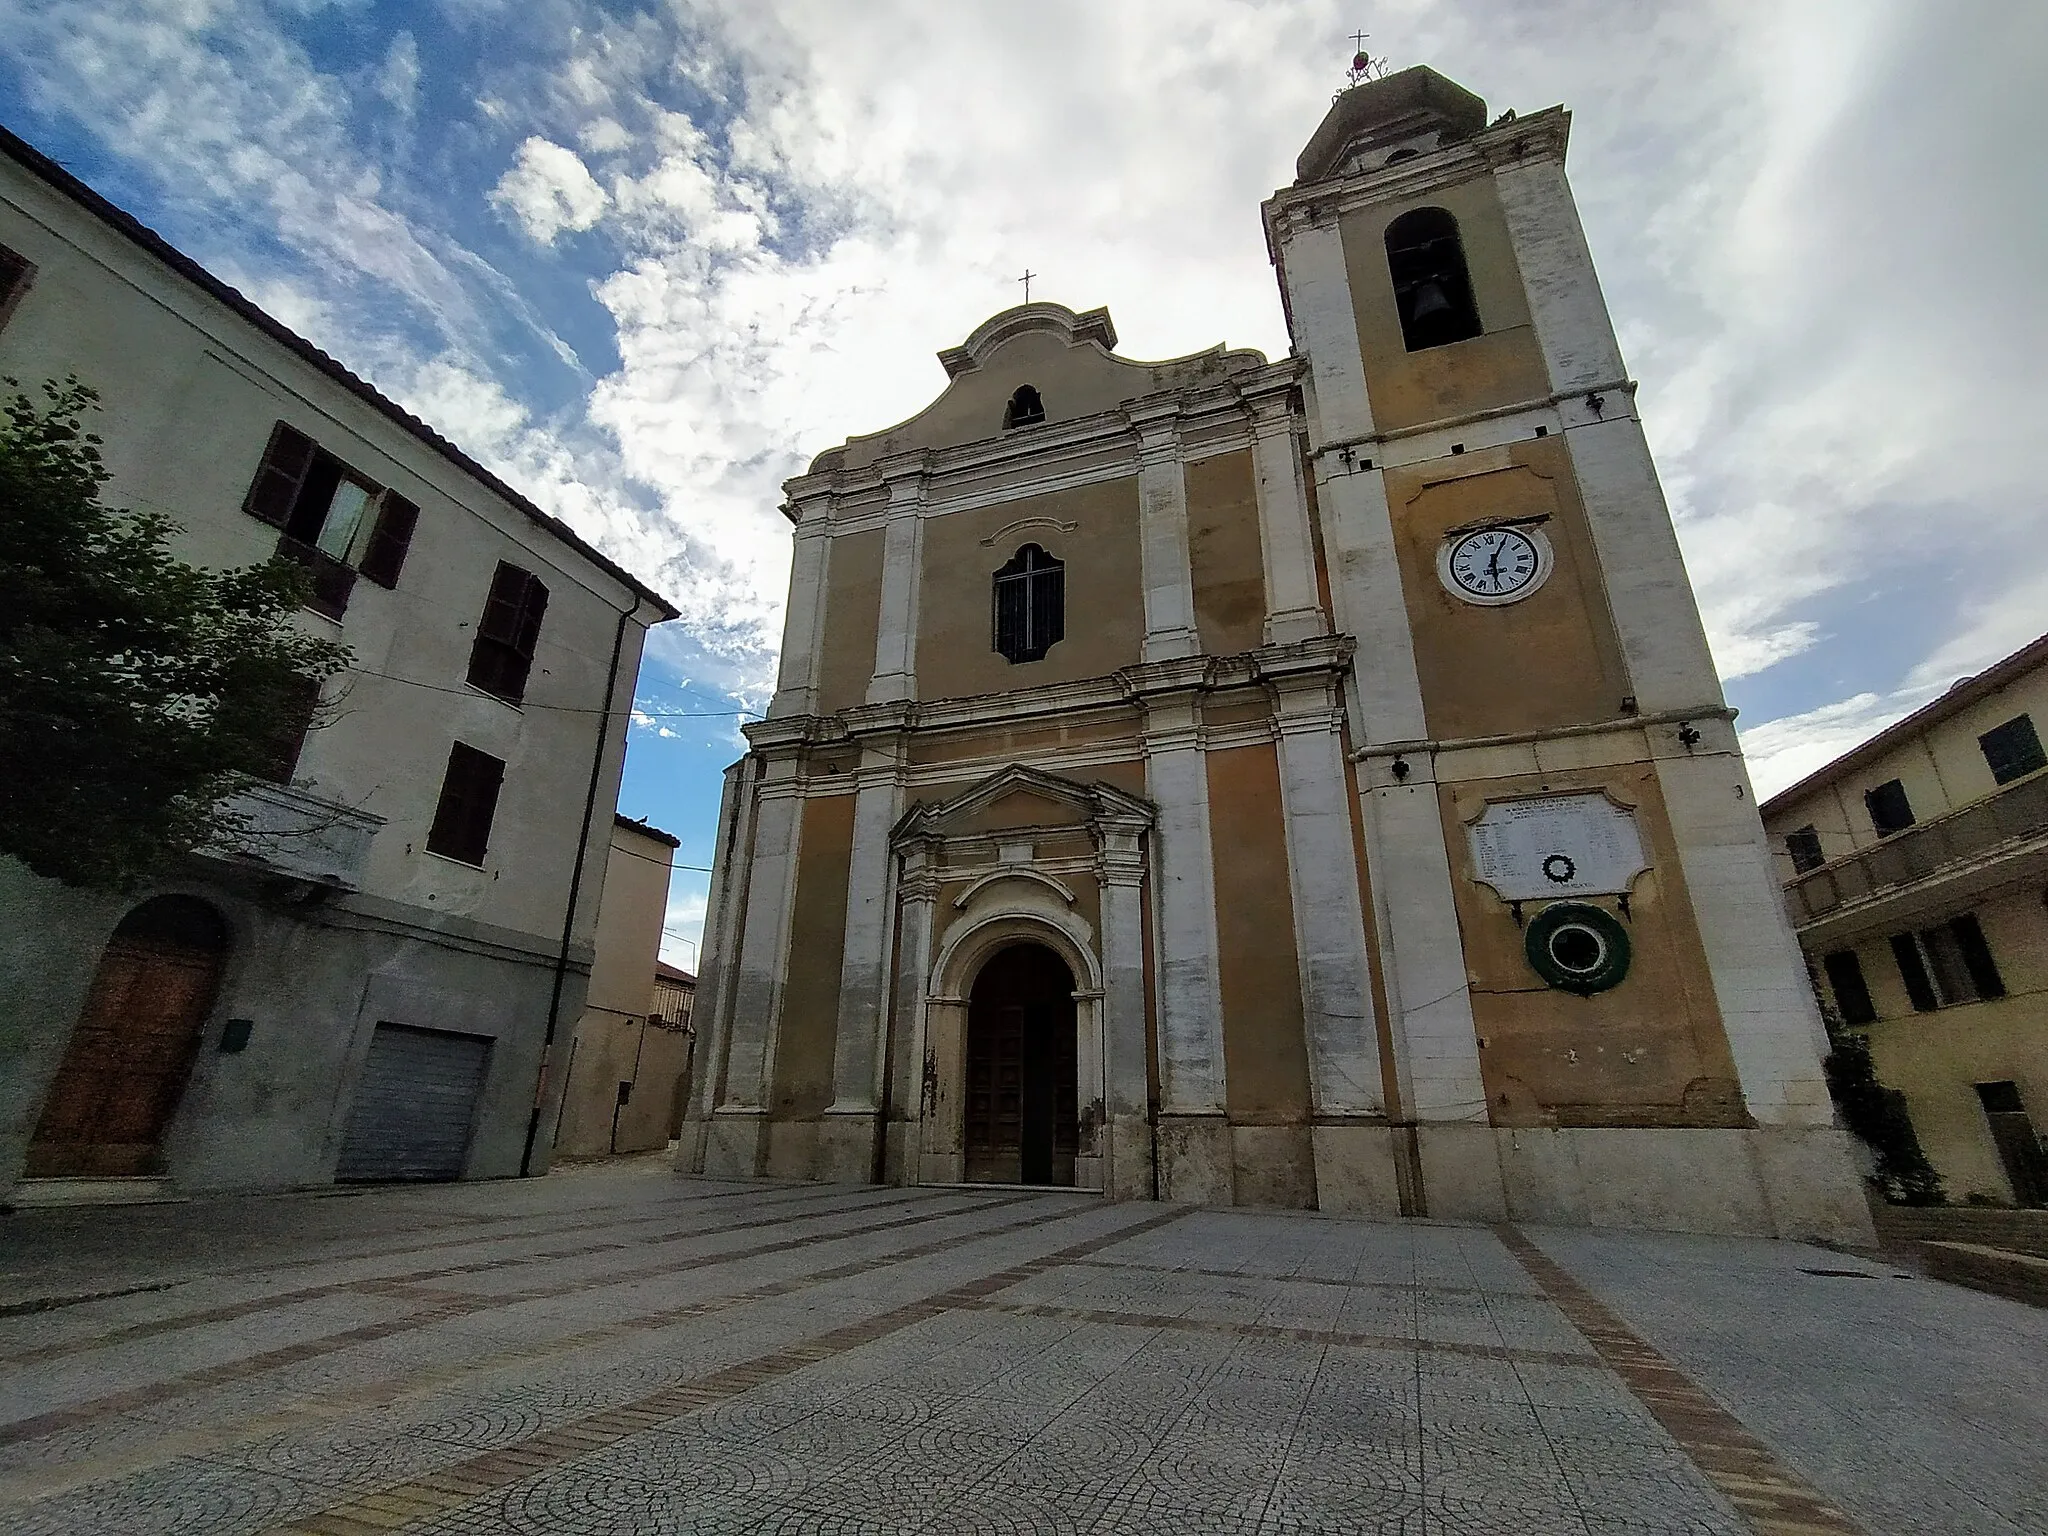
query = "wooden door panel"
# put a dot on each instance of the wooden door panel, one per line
(125, 1068)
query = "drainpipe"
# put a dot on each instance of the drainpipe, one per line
(604, 726)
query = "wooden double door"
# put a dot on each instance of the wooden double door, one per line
(131, 1052)
(1022, 1126)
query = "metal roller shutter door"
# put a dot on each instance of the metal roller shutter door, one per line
(414, 1106)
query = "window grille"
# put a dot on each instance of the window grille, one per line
(1030, 605)
(1025, 408)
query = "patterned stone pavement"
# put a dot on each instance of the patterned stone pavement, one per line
(618, 1350)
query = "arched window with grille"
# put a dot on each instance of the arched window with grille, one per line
(1030, 605)
(1026, 408)
(1431, 285)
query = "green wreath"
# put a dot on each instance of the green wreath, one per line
(1577, 948)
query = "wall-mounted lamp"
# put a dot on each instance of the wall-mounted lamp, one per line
(1595, 401)
(1400, 767)
(1687, 736)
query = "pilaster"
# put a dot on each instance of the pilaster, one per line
(917, 887)
(764, 933)
(1163, 531)
(908, 477)
(1324, 325)
(1293, 607)
(1189, 985)
(732, 862)
(847, 1144)
(1329, 920)
(803, 625)
(1127, 1111)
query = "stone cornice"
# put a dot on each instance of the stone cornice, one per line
(1503, 146)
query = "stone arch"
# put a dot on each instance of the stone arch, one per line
(130, 1056)
(1025, 918)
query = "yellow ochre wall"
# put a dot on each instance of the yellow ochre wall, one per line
(1937, 1059)
(1105, 609)
(853, 607)
(1225, 565)
(817, 944)
(1652, 1050)
(1502, 366)
(1549, 660)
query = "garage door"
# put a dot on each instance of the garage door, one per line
(415, 1105)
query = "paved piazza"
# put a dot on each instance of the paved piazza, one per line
(618, 1350)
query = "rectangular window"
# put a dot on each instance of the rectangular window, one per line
(1845, 978)
(2013, 750)
(502, 658)
(1946, 965)
(1804, 846)
(16, 272)
(1889, 809)
(469, 800)
(322, 509)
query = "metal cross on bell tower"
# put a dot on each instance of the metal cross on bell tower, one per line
(1026, 281)
(1364, 66)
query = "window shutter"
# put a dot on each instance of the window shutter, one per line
(1852, 997)
(2013, 750)
(1913, 973)
(275, 490)
(1890, 810)
(533, 607)
(502, 658)
(501, 609)
(469, 802)
(15, 271)
(1969, 937)
(389, 540)
(1804, 846)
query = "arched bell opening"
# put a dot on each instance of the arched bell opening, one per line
(125, 1069)
(1022, 1111)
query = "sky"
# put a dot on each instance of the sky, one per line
(646, 258)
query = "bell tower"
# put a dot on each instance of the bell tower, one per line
(1592, 990)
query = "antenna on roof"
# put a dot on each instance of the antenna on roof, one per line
(1364, 66)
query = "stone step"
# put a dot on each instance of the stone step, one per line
(2018, 1276)
(36, 1194)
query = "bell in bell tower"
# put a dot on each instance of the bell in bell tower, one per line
(1592, 990)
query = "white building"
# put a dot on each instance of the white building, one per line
(371, 995)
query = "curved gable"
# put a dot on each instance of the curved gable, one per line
(1067, 357)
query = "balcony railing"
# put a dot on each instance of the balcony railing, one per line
(286, 831)
(333, 580)
(2011, 815)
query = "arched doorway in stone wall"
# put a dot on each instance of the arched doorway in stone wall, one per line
(130, 1055)
(1022, 1069)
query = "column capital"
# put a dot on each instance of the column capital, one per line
(905, 473)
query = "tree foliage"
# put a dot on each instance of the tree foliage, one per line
(1878, 1114)
(137, 692)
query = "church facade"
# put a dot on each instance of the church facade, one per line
(1296, 783)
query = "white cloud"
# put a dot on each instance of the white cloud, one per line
(1782, 752)
(398, 80)
(549, 189)
(682, 926)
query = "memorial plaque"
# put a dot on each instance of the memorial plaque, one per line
(1556, 845)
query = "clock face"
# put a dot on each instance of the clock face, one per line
(1495, 565)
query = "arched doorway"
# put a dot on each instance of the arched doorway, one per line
(125, 1068)
(1022, 1126)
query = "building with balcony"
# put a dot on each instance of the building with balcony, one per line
(366, 986)
(1916, 877)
